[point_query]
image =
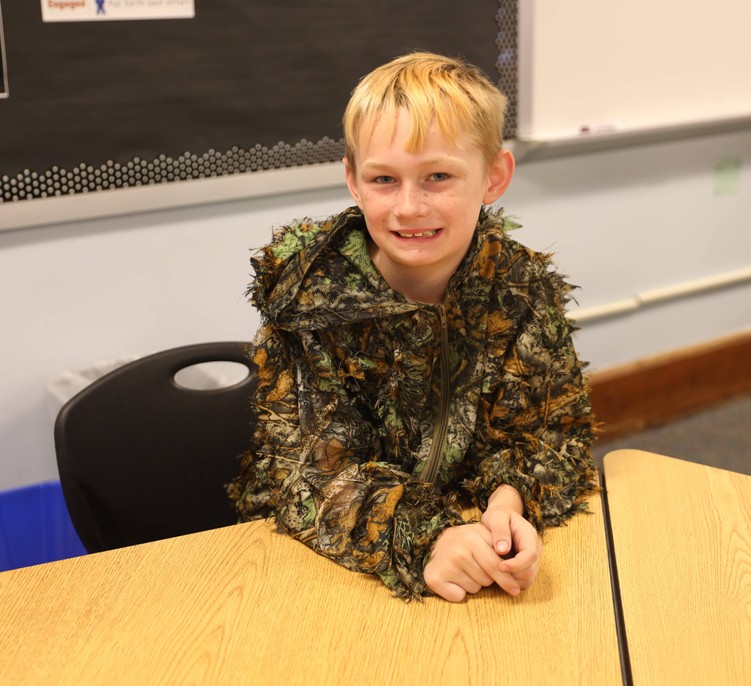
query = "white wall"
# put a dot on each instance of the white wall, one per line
(621, 222)
(631, 221)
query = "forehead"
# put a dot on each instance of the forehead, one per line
(399, 131)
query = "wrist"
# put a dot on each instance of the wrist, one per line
(506, 497)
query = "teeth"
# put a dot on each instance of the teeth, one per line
(421, 234)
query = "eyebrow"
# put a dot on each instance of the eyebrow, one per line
(430, 162)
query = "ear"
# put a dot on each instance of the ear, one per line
(499, 176)
(349, 175)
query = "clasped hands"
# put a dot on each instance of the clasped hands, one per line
(502, 548)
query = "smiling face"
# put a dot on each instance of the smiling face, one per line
(421, 207)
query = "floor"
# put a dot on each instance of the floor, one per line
(719, 436)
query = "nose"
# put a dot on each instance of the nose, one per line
(410, 201)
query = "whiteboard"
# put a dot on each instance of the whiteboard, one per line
(608, 68)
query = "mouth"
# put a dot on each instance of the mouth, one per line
(413, 234)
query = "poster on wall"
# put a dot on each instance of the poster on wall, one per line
(103, 10)
(3, 68)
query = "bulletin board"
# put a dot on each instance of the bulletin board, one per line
(589, 68)
(243, 88)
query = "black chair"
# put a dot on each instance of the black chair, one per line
(142, 458)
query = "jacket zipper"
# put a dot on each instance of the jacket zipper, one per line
(430, 471)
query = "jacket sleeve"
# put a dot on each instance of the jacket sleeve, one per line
(535, 422)
(313, 465)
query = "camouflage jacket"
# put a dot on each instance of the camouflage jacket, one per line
(378, 416)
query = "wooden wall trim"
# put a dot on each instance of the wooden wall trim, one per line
(659, 389)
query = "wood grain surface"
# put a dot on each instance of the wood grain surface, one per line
(245, 605)
(682, 540)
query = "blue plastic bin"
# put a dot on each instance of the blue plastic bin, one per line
(35, 527)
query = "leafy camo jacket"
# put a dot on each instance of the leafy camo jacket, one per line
(379, 418)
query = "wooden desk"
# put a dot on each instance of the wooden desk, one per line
(682, 540)
(246, 605)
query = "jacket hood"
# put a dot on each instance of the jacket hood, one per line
(317, 274)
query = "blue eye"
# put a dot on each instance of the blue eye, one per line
(439, 176)
(383, 179)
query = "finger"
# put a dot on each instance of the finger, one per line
(468, 573)
(465, 581)
(525, 575)
(468, 579)
(509, 584)
(489, 563)
(521, 561)
(475, 571)
(450, 591)
(527, 546)
(500, 531)
(525, 580)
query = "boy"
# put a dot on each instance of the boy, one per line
(412, 357)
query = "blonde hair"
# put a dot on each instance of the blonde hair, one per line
(457, 94)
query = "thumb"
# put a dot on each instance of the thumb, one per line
(502, 543)
(500, 530)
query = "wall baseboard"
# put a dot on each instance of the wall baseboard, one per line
(660, 389)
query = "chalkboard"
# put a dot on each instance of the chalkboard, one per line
(592, 68)
(244, 87)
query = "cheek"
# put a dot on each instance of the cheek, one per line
(458, 206)
(373, 206)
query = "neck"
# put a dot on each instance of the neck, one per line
(425, 286)
(421, 291)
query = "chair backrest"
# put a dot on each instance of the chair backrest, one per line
(142, 458)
